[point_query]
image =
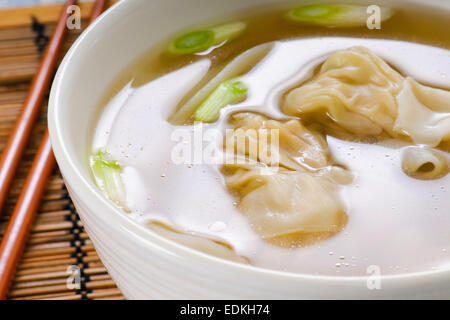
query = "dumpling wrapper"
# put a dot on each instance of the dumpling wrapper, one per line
(423, 113)
(424, 163)
(298, 203)
(291, 208)
(297, 146)
(359, 92)
(199, 243)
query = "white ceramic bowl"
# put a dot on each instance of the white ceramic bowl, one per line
(143, 264)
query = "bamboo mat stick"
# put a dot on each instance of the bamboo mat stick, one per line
(17, 141)
(99, 294)
(49, 263)
(61, 288)
(57, 251)
(29, 199)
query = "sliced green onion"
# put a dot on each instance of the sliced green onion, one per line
(201, 40)
(240, 65)
(228, 92)
(195, 41)
(228, 32)
(107, 176)
(335, 15)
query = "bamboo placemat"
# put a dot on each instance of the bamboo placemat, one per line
(57, 240)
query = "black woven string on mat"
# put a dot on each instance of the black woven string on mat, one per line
(78, 244)
(41, 38)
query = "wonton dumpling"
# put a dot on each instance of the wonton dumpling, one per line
(361, 93)
(297, 146)
(424, 163)
(289, 208)
(423, 113)
(199, 243)
(297, 203)
(354, 88)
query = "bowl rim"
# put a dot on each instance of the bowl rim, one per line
(74, 176)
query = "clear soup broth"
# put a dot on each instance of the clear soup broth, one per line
(356, 121)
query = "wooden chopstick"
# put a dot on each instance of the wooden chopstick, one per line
(25, 210)
(97, 10)
(17, 141)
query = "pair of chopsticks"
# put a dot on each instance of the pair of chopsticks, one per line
(16, 234)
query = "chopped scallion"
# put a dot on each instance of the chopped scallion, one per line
(195, 41)
(228, 32)
(228, 92)
(335, 15)
(107, 176)
(201, 40)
